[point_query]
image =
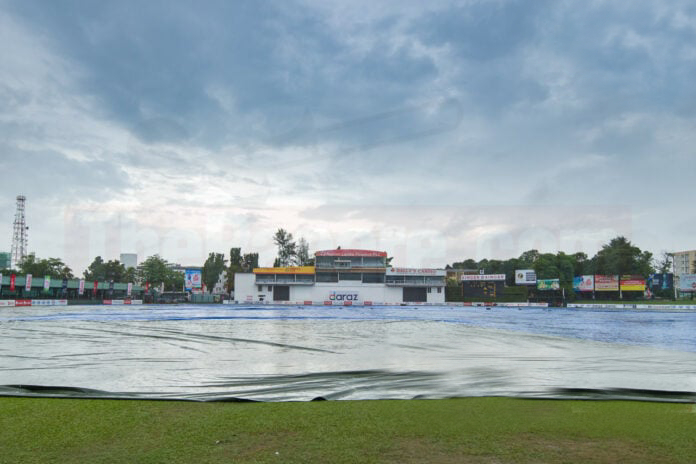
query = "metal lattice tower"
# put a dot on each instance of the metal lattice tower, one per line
(20, 235)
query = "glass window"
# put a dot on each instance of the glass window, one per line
(327, 277)
(260, 288)
(372, 278)
(349, 276)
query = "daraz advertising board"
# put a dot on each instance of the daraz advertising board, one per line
(193, 278)
(687, 283)
(583, 283)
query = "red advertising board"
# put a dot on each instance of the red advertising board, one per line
(96, 285)
(13, 278)
(606, 283)
(352, 252)
(22, 302)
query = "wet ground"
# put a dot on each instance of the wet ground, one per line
(304, 353)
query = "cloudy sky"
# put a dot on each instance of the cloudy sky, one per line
(435, 130)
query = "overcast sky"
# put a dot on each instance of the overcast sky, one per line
(436, 131)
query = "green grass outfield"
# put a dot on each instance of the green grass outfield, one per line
(486, 430)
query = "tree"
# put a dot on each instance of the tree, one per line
(156, 271)
(212, 268)
(250, 261)
(53, 267)
(235, 266)
(287, 248)
(110, 270)
(303, 258)
(621, 257)
(664, 265)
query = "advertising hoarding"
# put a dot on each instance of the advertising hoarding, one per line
(632, 283)
(193, 278)
(285, 270)
(482, 277)
(661, 281)
(583, 283)
(352, 252)
(404, 271)
(548, 284)
(27, 286)
(47, 282)
(606, 283)
(81, 287)
(687, 283)
(525, 277)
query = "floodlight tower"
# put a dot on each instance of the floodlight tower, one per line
(20, 235)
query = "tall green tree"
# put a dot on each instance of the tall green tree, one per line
(109, 270)
(621, 257)
(212, 268)
(234, 266)
(303, 258)
(53, 267)
(157, 271)
(287, 248)
(250, 261)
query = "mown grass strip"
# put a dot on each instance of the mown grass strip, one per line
(456, 430)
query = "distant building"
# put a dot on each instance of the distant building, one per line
(129, 260)
(5, 260)
(684, 262)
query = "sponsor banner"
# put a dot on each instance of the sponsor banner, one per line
(341, 296)
(130, 289)
(415, 271)
(42, 302)
(147, 286)
(96, 286)
(117, 302)
(47, 282)
(107, 302)
(61, 302)
(22, 302)
(632, 283)
(482, 277)
(548, 284)
(0, 279)
(27, 286)
(81, 287)
(525, 277)
(355, 253)
(285, 270)
(13, 279)
(139, 302)
(606, 283)
(7, 303)
(583, 283)
(661, 282)
(687, 283)
(65, 285)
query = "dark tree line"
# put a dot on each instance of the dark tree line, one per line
(619, 256)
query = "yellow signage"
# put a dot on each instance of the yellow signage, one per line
(285, 270)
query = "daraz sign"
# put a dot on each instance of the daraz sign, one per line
(343, 296)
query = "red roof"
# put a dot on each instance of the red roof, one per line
(349, 252)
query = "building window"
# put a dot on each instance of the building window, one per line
(260, 288)
(349, 276)
(439, 289)
(430, 289)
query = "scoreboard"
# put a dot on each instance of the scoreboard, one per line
(482, 289)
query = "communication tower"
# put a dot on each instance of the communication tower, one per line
(20, 235)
